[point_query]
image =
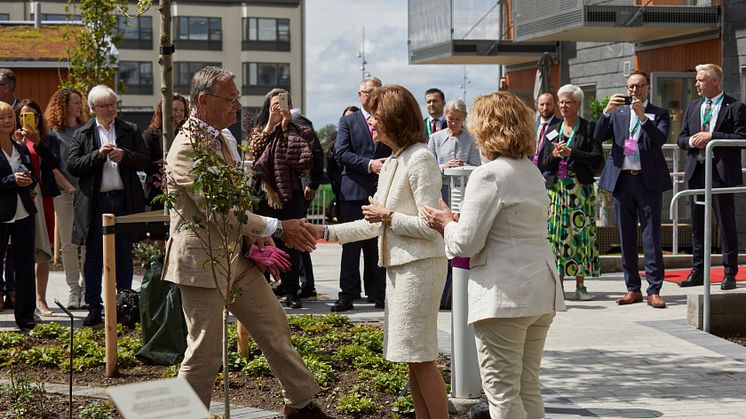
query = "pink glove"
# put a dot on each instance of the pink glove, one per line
(272, 259)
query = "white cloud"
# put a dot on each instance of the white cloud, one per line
(333, 38)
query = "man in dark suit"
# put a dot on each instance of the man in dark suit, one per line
(105, 154)
(435, 102)
(361, 159)
(545, 106)
(637, 174)
(714, 116)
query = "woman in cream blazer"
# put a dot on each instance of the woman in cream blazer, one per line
(412, 253)
(513, 288)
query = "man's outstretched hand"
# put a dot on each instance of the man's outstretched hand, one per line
(298, 234)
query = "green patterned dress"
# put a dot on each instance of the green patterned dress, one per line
(572, 227)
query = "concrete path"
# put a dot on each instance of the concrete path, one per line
(601, 360)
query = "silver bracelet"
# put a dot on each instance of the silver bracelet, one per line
(326, 233)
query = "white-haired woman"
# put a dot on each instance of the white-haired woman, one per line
(453, 147)
(570, 162)
(105, 154)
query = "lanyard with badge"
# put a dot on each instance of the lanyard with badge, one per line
(562, 171)
(630, 144)
(706, 118)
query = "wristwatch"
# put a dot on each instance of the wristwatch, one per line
(279, 230)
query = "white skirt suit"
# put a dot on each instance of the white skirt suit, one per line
(412, 253)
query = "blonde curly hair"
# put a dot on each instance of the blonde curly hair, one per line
(56, 112)
(502, 125)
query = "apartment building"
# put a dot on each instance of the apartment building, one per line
(261, 41)
(594, 44)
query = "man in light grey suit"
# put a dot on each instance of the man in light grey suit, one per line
(214, 101)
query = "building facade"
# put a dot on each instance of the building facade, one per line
(261, 41)
(594, 44)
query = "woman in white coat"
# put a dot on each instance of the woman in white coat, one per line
(412, 253)
(513, 288)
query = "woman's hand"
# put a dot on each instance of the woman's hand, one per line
(32, 134)
(23, 179)
(560, 150)
(437, 219)
(275, 116)
(375, 212)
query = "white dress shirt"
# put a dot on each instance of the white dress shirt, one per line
(632, 162)
(110, 178)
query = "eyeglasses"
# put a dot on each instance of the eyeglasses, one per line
(106, 105)
(365, 92)
(636, 86)
(236, 100)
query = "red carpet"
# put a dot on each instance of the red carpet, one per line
(716, 274)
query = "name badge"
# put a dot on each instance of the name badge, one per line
(552, 135)
(630, 147)
(562, 170)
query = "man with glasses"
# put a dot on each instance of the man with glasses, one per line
(637, 174)
(105, 154)
(714, 115)
(361, 159)
(214, 102)
(8, 87)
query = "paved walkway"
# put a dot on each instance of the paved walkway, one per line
(601, 360)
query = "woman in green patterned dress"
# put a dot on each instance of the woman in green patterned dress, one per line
(568, 165)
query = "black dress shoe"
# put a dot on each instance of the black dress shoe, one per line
(306, 293)
(729, 282)
(279, 291)
(370, 299)
(293, 301)
(342, 304)
(380, 304)
(694, 279)
(93, 318)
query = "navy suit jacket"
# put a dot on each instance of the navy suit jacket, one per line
(731, 124)
(9, 189)
(655, 174)
(355, 150)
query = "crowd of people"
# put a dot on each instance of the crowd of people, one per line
(527, 217)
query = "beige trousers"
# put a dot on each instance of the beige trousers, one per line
(256, 308)
(65, 213)
(509, 352)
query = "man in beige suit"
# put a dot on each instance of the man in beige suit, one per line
(214, 101)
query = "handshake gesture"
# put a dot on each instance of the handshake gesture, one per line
(299, 234)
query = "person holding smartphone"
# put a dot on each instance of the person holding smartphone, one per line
(282, 155)
(570, 159)
(17, 212)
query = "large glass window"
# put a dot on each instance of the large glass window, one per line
(673, 91)
(135, 33)
(184, 71)
(266, 34)
(258, 78)
(137, 76)
(4, 16)
(197, 32)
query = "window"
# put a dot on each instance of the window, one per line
(183, 73)
(259, 78)
(135, 33)
(54, 17)
(137, 76)
(4, 17)
(589, 93)
(266, 34)
(193, 32)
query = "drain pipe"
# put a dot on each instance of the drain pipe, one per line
(37, 15)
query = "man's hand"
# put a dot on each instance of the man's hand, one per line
(615, 101)
(638, 108)
(106, 149)
(308, 193)
(376, 165)
(116, 155)
(700, 139)
(297, 235)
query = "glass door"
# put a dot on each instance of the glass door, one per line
(673, 91)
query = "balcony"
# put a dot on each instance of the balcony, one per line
(613, 20)
(467, 32)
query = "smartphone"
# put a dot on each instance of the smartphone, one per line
(21, 169)
(283, 97)
(627, 100)
(28, 120)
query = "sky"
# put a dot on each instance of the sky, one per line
(333, 40)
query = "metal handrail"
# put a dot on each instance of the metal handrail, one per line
(709, 191)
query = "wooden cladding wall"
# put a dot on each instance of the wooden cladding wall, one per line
(38, 84)
(680, 58)
(524, 79)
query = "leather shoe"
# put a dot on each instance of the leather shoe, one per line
(694, 279)
(630, 297)
(307, 293)
(292, 301)
(311, 411)
(93, 318)
(655, 301)
(380, 304)
(10, 299)
(342, 304)
(729, 283)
